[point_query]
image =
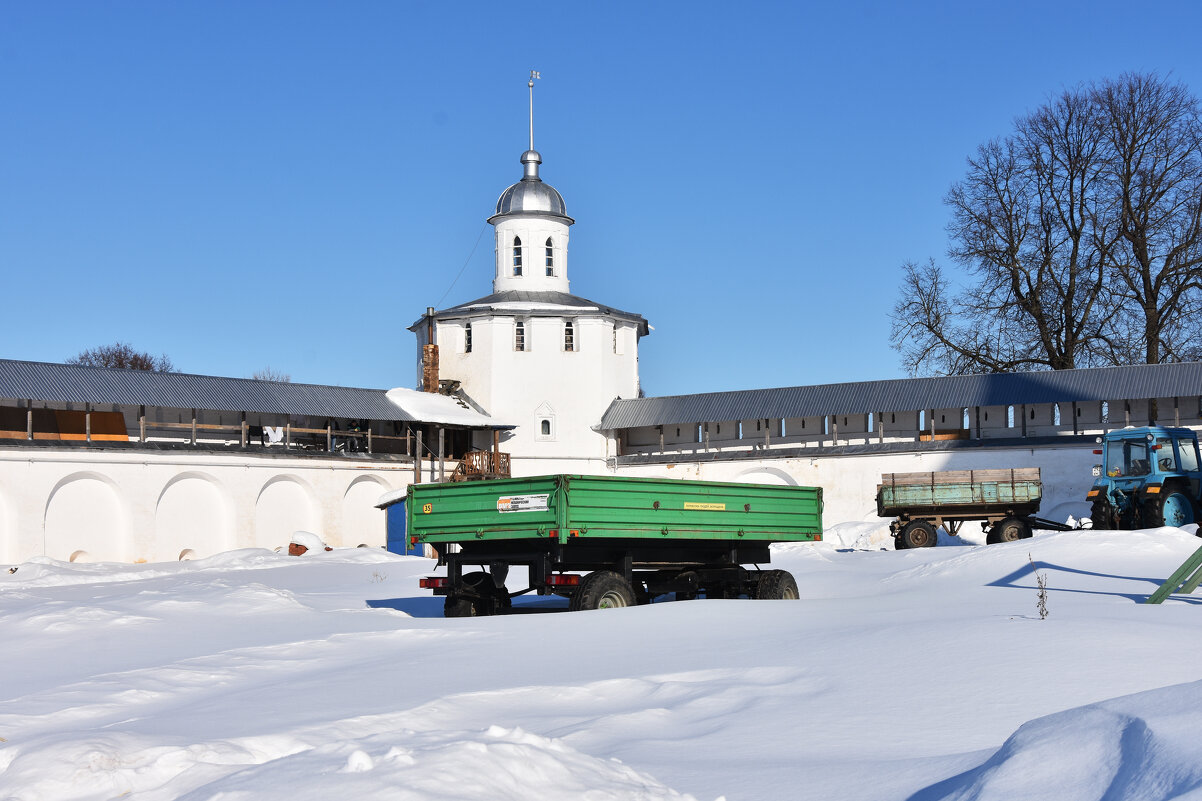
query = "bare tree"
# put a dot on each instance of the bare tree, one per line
(122, 355)
(1080, 239)
(1155, 177)
(271, 374)
(1027, 229)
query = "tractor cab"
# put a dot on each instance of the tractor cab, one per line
(1149, 477)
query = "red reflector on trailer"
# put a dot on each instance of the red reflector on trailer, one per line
(563, 580)
(574, 532)
(413, 540)
(1098, 452)
(553, 533)
(817, 538)
(433, 583)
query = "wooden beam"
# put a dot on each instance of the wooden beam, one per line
(442, 463)
(417, 460)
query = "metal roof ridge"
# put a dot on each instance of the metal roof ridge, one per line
(181, 374)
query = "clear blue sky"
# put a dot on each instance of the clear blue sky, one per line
(243, 184)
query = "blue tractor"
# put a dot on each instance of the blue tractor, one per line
(1149, 477)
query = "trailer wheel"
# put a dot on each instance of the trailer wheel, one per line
(1012, 529)
(1171, 509)
(917, 534)
(485, 599)
(602, 589)
(776, 585)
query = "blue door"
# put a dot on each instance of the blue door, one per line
(397, 541)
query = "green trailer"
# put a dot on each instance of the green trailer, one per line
(633, 539)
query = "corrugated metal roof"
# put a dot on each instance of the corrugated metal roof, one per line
(493, 302)
(911, 394)
(66, 383)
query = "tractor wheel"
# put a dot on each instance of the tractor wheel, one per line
(602, 589)
(776, 585)
(485, 598)
(1100, 514)
(1011, 529)
(917, 534)
(1173, 508)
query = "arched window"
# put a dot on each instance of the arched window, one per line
(519, 335)
(550, 258)
(517, 255)
(545, 426)
(467, 338)
(569, 336)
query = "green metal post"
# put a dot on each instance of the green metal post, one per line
(1189, 573)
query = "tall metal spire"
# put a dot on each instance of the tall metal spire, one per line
(533, 77)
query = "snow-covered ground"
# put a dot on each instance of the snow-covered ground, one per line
(921, 675)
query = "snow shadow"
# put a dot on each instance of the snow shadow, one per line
(432, 606)
(414, 607)
(1014, 578)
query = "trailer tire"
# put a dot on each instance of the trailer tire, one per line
(917, 534)
(486, 598)
(1012, 529)
(602, 589)
(776, 585)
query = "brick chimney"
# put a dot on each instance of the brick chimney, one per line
(429, 355)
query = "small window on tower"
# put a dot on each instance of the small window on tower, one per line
(519, 336)
(467, 338)
(545, 427)
(517, 255)
(550, 258)
(569, 336)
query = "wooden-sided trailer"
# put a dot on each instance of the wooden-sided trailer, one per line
(1004, 501)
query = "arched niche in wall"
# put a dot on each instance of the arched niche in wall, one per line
(766, 475)
(193, 513)
(85, 512)
(285, 504)
(361, 522)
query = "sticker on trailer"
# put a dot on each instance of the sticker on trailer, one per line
(706, 507)
(522, 503)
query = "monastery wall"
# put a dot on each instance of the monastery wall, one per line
(137, 505)
(849, 481)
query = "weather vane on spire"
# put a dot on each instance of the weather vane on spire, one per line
(533, 77)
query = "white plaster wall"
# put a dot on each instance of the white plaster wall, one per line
(286, 504)
(572, 389)
(194, 512)
(533, 232)
(130, 505)
(849, 482)
(85, 515)
(362, 523)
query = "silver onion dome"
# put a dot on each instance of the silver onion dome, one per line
(530, 195)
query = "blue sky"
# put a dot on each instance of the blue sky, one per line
(243, 184)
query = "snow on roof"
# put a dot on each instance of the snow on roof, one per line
(391, 497)
(431, 407)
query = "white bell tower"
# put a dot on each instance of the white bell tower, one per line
(531, 229)
(531, 354)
